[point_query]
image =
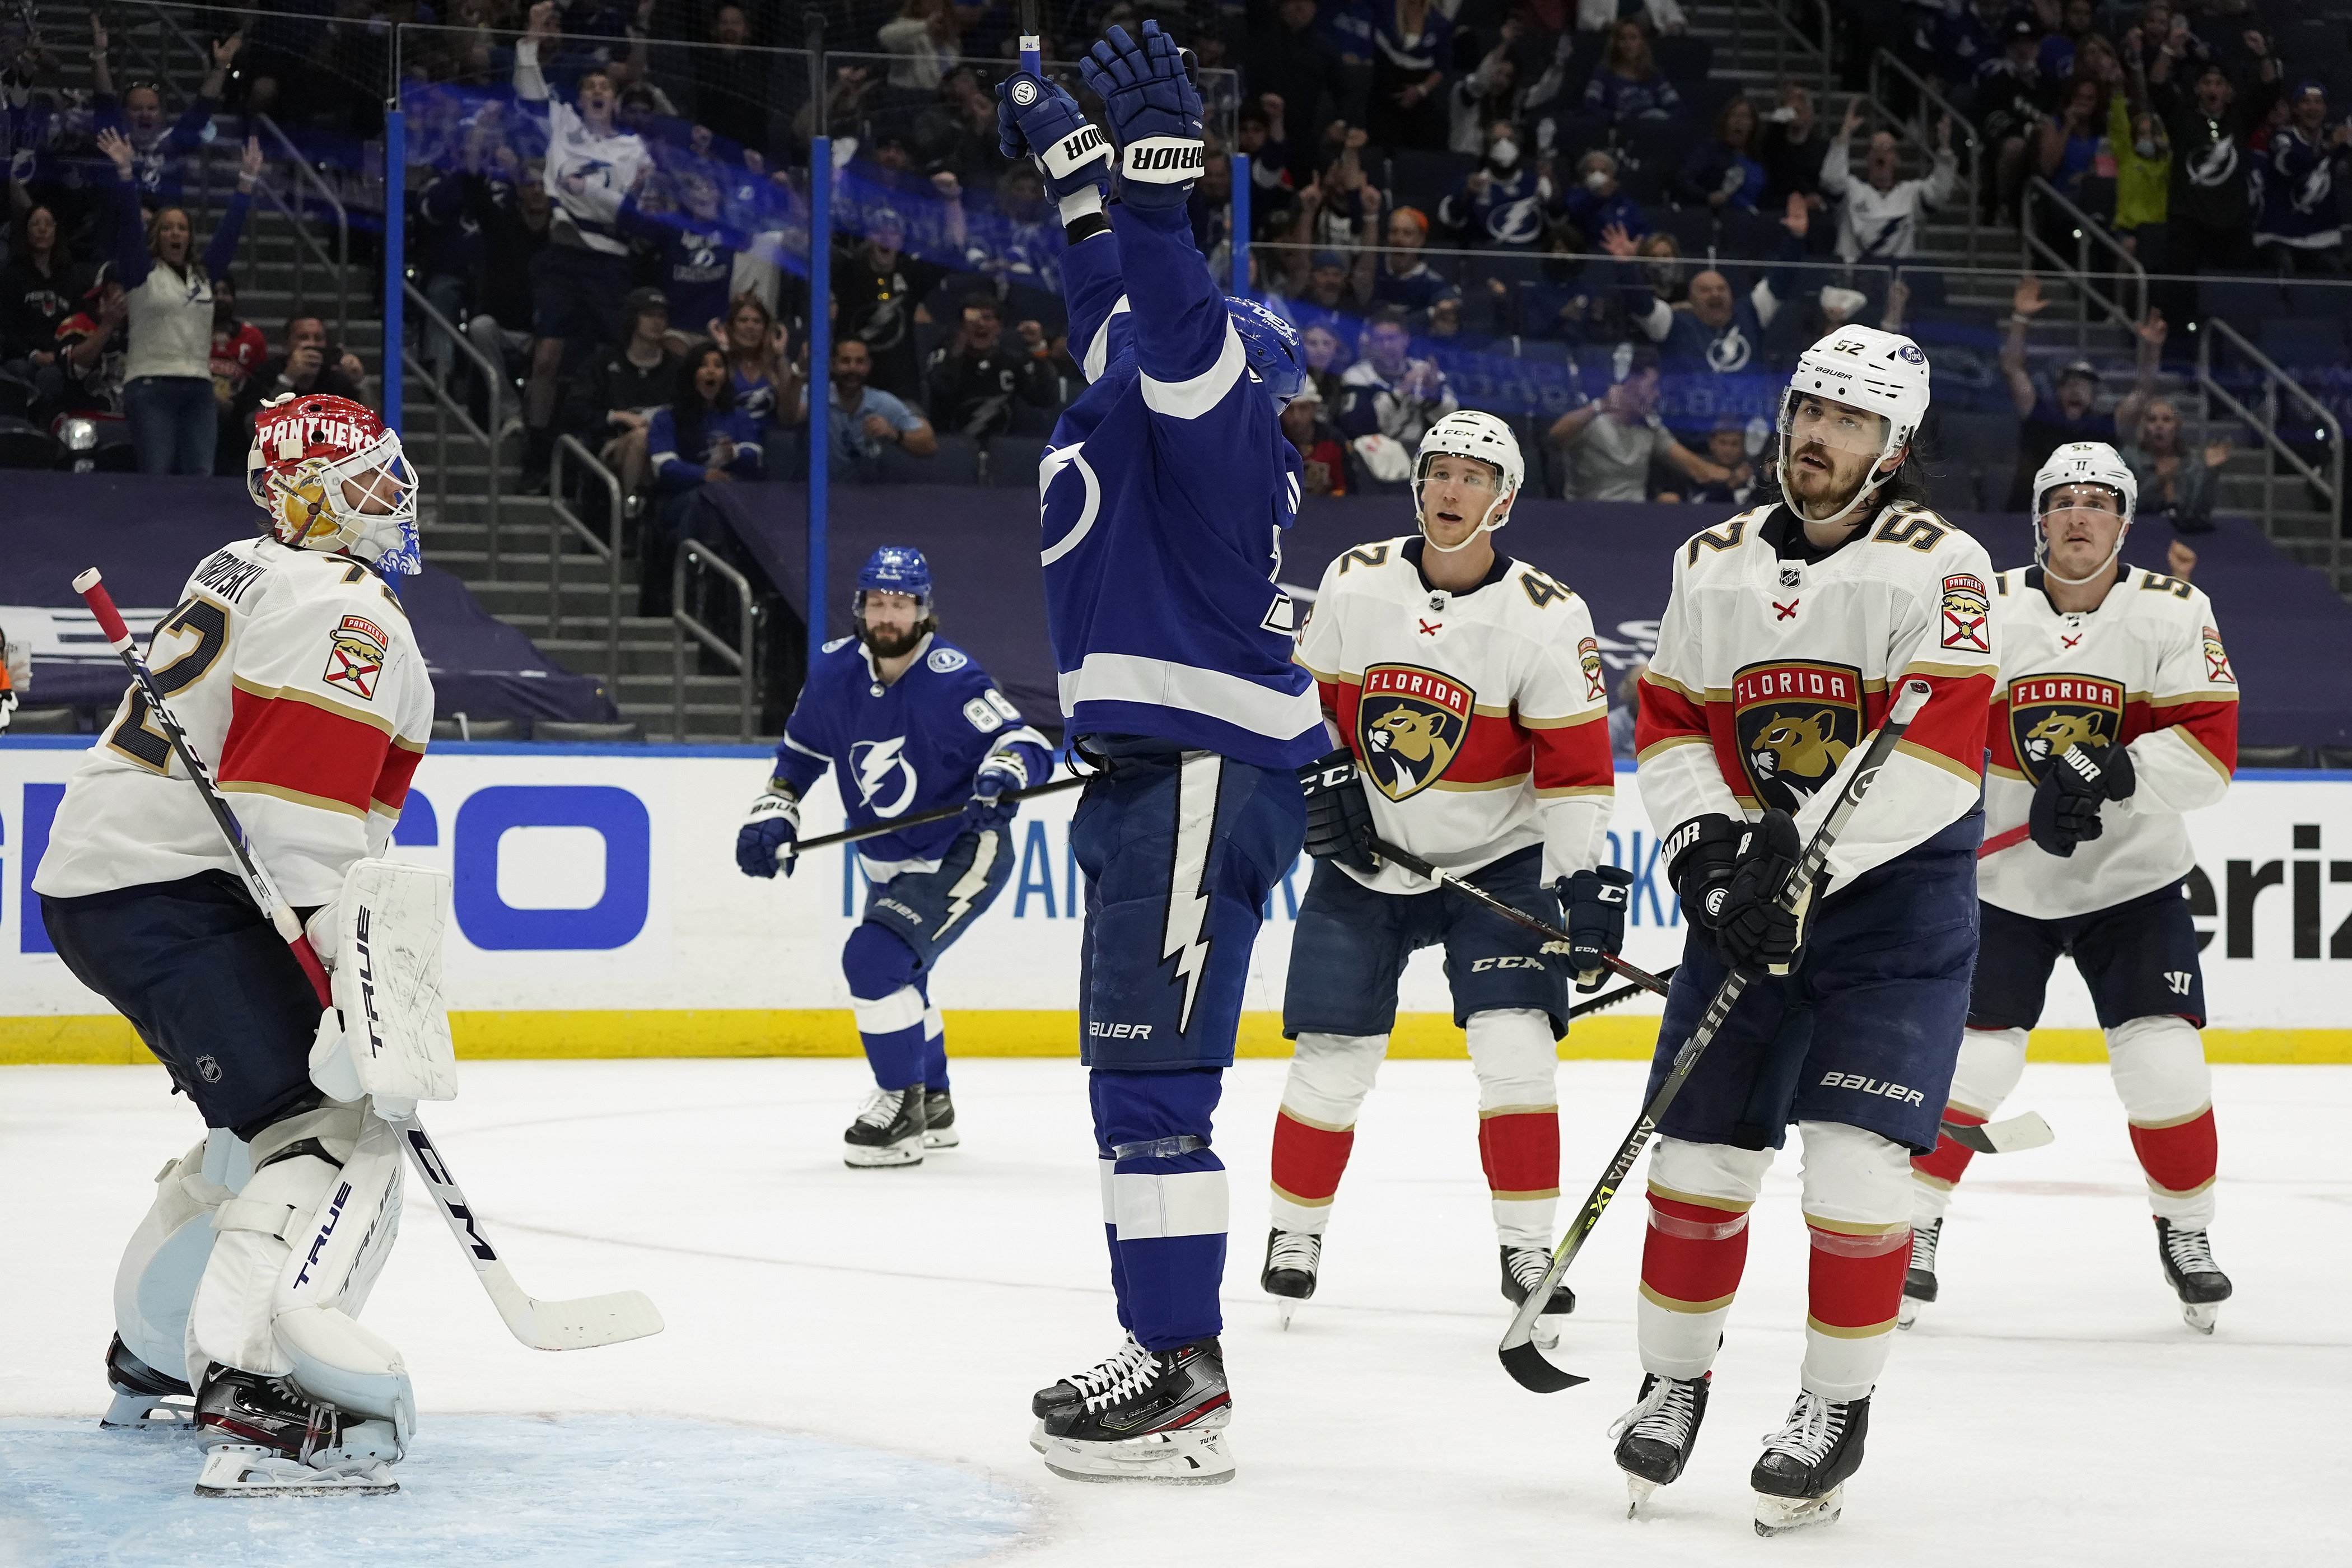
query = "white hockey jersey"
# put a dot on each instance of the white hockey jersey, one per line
(300, 684)
(1883, 226)
(2146, 667)
(1776, 662)
(1480, 720)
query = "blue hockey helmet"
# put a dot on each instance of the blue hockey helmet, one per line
(894, 569)
(1271, 343)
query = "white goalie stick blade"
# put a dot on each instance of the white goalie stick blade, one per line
(2026, 1131)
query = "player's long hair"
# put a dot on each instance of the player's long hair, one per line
(1910, 483)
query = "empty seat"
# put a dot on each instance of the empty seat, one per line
(1693, 228)
(460, 726)
(1684, 59)
(2302, 340)
(2241, 301)
(2336, 756)
(2273, 757)
(26, 445)
(579, 732)
(45, 721)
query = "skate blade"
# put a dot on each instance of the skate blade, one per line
(1908, 1313)
(1779, 1515)
(947, 1139)
(1545, 1334)
(890, 1159)
(1284, 1306)
(2200, 1315)
(247, 1469)
(148, 1413)
(1637, 1493)
(1190, 1457)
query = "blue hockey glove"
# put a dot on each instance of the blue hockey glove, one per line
(2065, 810)
(1155, 111)
(1753, 929)
(1592, 908)
(988, 810)
(1036, 118)
(770, 831)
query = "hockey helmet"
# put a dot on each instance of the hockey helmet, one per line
(1467, 433)
(331, 477)
(2082, 463)
(1863, 368)
(1270, 347)
(894, 569)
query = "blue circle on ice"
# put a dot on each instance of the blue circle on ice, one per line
(477, 1490)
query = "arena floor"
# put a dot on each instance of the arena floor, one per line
(846, 1375)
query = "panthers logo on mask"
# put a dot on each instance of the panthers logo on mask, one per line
(1795, 722)
(1410, 723)
(2050, 715)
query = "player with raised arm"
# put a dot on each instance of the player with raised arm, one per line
(2116, 713)
(1790, 630)
(292, 668)
(1468, 689)
(911, 723)
(1164, 494)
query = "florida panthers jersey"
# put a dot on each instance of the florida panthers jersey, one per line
(300, 686)
(1776, 660)
(1480, 720)
(2146, 667)
(910, 746)
(1164, 493)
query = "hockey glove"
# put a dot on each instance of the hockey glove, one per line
(1753, 929)
(2065, 810)
(770, 833)
(1339, 815)
(988, 810)
(7, 707)
(1154, 110)
(1699, 856)
(1037, 120)
(1592, 908)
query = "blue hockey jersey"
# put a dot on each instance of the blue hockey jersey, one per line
(1164, 493)
(907, 747)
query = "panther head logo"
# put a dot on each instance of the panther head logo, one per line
(1805, 746)
(2054, 734)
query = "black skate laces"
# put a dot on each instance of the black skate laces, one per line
(1296, 1250)
(1665, 1412)
(2190, 1251)
(1813, 1429)
(1107, 1373)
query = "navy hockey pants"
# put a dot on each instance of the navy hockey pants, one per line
(909, 921)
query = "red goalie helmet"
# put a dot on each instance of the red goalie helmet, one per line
(331, 477)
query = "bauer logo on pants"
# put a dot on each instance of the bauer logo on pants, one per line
(1409, 725)
(2050, 715)
(1796, 723)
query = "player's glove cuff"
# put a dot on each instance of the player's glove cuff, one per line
(1593, 906)
(1037, 120)
(1699, 856)
(1339, 813)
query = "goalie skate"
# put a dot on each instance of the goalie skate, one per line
(144, 1400)
(248, 1470)
(265, 1437)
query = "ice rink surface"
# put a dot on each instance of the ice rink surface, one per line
(850, 1354)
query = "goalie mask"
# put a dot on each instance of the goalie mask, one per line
(333, 477)
(1864, 370)
(1485, 440)
(2081, 463)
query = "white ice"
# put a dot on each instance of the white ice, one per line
(850, 1354)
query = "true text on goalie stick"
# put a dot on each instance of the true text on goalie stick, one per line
(569, 1325)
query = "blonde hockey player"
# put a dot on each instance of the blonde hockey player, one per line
(2116, 713)
(1466, 694)
(1789, 629)
(293, 670)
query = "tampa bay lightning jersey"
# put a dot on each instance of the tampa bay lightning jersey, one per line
(1164, 494)
(904, 748)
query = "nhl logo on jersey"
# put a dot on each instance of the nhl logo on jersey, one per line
(2049, 715)
(1596, 685)
(1409, 724)
(1968, 614)
(2217, 659)
(355, 653)
(1795, 722)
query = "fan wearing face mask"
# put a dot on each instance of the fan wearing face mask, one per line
(1500, 205)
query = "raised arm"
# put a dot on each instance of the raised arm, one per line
(2025, 304)
(131, 260)
(1037, 120)
(221, 250)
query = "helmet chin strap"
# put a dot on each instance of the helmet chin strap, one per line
(1870, 487)
(1487, 524)
(2041, 556)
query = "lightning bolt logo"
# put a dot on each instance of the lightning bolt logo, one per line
(1188, 897)
(876, 761)
(970, 885)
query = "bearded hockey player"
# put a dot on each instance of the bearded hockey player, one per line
(1468, 688)
(913, 724)
(2116, 713)
(293, 669)
(1165, 491)
(1789, 629)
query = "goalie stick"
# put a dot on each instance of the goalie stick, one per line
(1520, 1354)
(543, 1325)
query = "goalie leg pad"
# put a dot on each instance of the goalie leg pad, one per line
(156, 1281)
(1512, 1052)
(1315, 1130)
(387, 981)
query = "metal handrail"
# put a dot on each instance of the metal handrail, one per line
(341, 260)
(685, 626)
(446, 403)
(2265, 425)
(2087, 229)
(1783, 27)
(1961, 123)
(559, 517)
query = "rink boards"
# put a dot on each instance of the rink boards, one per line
(598, 912)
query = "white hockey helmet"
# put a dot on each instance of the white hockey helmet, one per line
(1877, 372)
(2082, 463)
(1467, 433)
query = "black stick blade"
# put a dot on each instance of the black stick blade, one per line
(1531, 1371)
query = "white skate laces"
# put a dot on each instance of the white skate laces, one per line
(881, 1108)
(2190, 1251)
(1108, 1371)
(1528, 1267)
(1136, 1376)
(1295, 1249)
(1812, 1431)
(1666, 1413)
(1923, 1247)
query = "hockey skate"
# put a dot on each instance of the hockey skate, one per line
(888, 1130)
(1074, 1391)
(938, 1120)
(1801, 1480)
(1292, 1258)
(1655, 1438)
(1919, 1280)
(265, 1437)
(1162, 1421)
(2195, 1278)
(145, 1400)
(1523, 1270)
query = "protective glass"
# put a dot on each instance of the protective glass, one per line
(1808, 421)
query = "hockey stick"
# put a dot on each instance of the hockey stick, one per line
(543, 1325)
(1033, 42)
(2026, 1131)
(1511, 913)
(937, 814)
(1520, 1354)
(1611, 998)
(2000, 841)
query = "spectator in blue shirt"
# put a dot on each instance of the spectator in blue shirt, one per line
(158, 152)
(1594, 204)
(1402, 276)
(1500, 205)
(2076, 22)
(1627, 85)
(1411, 46)
(1723, 171)
(695, 245)
(699, 438)
(864, 419)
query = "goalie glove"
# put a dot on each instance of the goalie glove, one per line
(1592, 908)
(771, 830)
(1753, 929)
(1154, 110)
(1037, 120)
(988, 810)
(2065, 810)
(1339, 815)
